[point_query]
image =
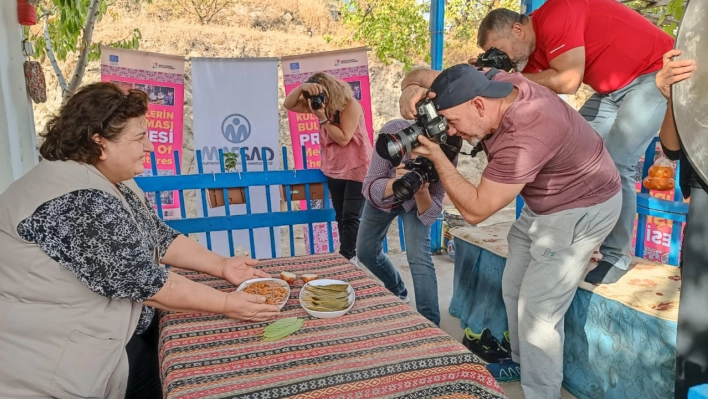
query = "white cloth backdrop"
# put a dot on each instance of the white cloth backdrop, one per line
(235, 106)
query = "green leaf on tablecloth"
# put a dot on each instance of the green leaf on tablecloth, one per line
(280, 323)
(282, 328)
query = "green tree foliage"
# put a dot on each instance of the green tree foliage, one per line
(462, 18)
(395, 29)
(67, 28)
(671, 15)
(664, 13)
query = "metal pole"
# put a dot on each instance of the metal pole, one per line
(18, 141)
(437, 26)
(528, 6)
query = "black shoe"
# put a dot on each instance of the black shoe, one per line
(506, 344)
(485, 346)
(605, 273)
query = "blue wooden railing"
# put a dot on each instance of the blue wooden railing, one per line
(248, 179)
(647, 205)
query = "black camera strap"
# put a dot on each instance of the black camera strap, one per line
(473, 152)
(476, 150)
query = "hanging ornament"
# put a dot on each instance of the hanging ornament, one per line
(661, 176)
(26, 13)
(34, 78)
(34, 75)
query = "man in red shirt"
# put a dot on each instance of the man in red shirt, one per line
(615, 51)
(539, 147)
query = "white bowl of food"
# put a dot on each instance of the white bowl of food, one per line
(326, 298)
(276, 291)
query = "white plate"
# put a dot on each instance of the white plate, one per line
(277, 280)
(328, 315)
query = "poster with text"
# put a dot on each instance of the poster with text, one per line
(349, 65)
(235, 108)
(658, 231)
(161, 77)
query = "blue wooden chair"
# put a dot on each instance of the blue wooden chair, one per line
(647, 205)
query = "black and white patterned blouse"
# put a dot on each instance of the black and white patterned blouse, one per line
(92, 234)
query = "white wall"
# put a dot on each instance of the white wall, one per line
(18, 143)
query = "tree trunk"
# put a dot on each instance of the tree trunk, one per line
(85, 48)
(50, 53)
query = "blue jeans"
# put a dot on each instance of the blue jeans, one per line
(627, 120)
(372, 230)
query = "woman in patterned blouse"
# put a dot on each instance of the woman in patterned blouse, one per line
(109, 243)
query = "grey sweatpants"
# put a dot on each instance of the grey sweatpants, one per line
(547, 258)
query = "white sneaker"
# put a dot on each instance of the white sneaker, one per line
(355, 261)
(405, 299)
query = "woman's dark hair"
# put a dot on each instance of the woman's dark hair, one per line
(101, 108)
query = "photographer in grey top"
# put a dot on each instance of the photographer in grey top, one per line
(541, 148)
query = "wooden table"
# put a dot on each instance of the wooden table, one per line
(380, 349)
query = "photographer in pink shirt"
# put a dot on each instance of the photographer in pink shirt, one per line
(345, 148)
(541, 148)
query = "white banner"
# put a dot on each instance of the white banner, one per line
(236, 106)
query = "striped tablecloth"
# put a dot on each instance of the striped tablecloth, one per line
(380, 349)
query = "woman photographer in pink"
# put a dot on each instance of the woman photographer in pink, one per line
(345, 148)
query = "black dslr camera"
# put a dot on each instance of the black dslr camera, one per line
(316, 102)
(428, 122)
(422, 171)
(494, 58)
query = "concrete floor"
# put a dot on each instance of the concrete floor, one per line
(444, 267)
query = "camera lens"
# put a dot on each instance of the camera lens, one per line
(316, 103)
(393, 147)
(407, 185)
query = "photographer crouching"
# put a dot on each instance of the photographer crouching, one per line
(405, 186)
(345, 148)
(541, 148)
